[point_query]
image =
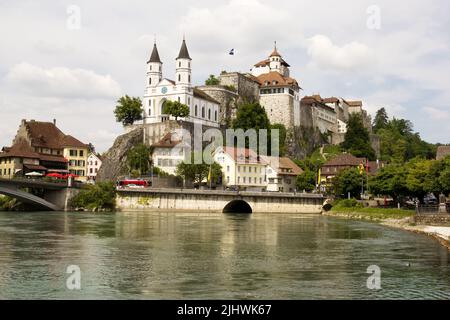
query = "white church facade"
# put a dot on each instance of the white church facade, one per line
(203, 108)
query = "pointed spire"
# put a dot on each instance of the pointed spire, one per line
(275, 52)
(155, 55)
(184, 53)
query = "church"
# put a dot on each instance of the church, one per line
(203, 108)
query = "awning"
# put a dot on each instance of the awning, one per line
(35, 167)
(58, 170)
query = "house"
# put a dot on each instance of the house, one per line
(169, 152)
(242, 169)
(94, 163)
(282, 174)
(42, 147)
(442, 152)
(339, 163)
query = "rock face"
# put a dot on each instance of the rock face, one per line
(115, 160)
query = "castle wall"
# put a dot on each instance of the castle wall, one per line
(279, 108)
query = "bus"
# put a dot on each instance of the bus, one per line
(133, 183)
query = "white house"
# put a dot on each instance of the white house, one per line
(93, 165)
(282, 174)
(241, 168)
(169, 153)
(203, 108)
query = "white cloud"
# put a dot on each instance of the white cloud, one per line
(325, 54)
(62, 82)
(437, 114)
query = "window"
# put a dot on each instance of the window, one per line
(245, 169)
(73, 153)
(215, 115)
(81, 153)
(209, 114)
(245, 180)
(179, 64)
(228, 179)
(179, 99)
(149, 111)
(150, 81)
(203, 112)
(189, 78)
(196, 110)
(228, 168)
(239, 179)
(179, 77)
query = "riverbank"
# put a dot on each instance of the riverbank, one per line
(394, 218)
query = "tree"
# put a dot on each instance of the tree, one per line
(192, 171)
(252, 116)
(212, 81)
(348, 181)
(139, 160)
(357, 139)
(306, 181)
(283, 136)
(417, 180)
(216, 173)
(390, 181)
(99, 196)
(176, 109)
(381, 120)
(128, 110)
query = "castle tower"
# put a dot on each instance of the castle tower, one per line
(154, 68)
(275, 60)
(183, 66)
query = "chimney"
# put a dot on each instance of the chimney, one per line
(54, 122)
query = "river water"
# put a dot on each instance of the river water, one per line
(214, 256)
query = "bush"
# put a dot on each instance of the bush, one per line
(7, 203)
(99, 196)
(348, 203)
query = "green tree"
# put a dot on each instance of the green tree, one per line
(176, 109)
(99, 196)
(192, 171)
(306, 181)
(417, 178)
(283, 136)
(212, 81)
(357, 139)
(128, 110)
(139, 160)
(390, 181)
(381, 120)
(216, 173)
(348, 181)
(252, 116)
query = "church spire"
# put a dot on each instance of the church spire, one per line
(154, 58)
(275, 52)
(184, 53)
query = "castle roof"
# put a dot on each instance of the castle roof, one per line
(155, 55)
(266, 62)
(184, 53)
(275, 79)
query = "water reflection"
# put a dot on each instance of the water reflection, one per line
(214, 256)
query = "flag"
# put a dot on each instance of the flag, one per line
(319, 180)
(361, 168)
(232, 52)
(209, 174)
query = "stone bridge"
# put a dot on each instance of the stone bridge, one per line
(218, 201)
(56, 195)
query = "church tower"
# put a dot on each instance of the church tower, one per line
(154, 68)
(183, 66)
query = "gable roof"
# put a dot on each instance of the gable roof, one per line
(244, 155)
(48, 135)
(167, 141)
(283, 166)
(345, 159)
(20, 149)
(442, 152)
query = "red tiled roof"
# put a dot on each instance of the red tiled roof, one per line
(21, 149)
(275, 79)
(167, 142)
(285, 166)
(243, 155)
(345, 159)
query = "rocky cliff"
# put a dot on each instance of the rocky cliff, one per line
(115, 160)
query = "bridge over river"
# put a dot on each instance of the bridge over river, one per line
(218, 201)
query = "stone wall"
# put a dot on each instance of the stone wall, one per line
(228, 102)
(279, 108)
(246, 88)
(215, 201)
(432, 220)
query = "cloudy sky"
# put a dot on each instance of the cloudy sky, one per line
(56, 63)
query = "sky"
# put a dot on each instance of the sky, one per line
(72, 60)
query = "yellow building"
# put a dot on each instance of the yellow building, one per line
(43, 148)
(241, 168)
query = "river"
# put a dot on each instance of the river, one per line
(216, 256)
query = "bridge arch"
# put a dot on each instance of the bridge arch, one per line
(238, 206)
